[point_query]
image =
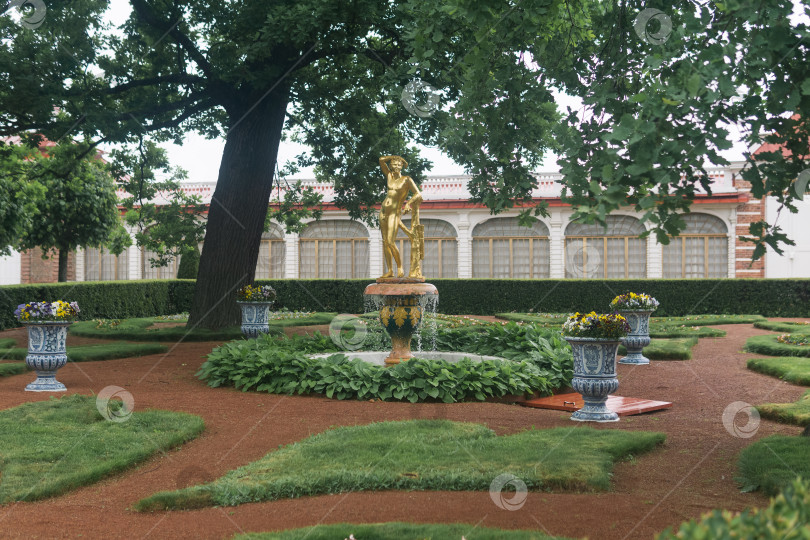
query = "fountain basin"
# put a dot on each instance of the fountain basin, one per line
(379, 357)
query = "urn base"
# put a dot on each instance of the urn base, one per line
(46, 383)
(594, 411)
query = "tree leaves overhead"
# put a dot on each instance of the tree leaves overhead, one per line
(657, 89)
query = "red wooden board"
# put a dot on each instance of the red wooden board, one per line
(623, 406)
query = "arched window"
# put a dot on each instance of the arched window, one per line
(700, 251)
(591, 251)
(441, 249)
(157, 272)
(101, 265)
(272, 253)
(334, 249)
(501, 248)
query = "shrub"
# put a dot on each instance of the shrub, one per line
(189, 264)
(785, 518)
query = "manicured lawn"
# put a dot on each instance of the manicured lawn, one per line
(784, 326)
(770, 346)
(771, 463)
(688, 320)
(665, 331)
(7, 369)
(142, 329)
(92, 353)
(398, 531)
(667, 349)
(794, 369)
(789, 413)
(419, 455)
(7, 343)
(50, 447)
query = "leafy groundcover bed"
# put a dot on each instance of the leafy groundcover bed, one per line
(418, 455)
(49, 447)
(537, 360)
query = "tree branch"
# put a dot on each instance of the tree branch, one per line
(149, 17)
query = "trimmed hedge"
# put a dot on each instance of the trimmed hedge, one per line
(123, 299)
(102, 299)
(678, 297)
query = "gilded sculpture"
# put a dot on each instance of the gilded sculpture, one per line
(399, 187)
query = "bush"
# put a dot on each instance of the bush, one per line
(189, 264)
(102, 299)
(785, 518)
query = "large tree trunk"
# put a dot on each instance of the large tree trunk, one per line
(63, 265)
(237, 212)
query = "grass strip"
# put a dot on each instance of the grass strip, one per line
(418, 455)
(794, 369)
(773, 462)
(93, 353)
(7, 343)
(797, 413)
(662, 331)
(688, 320)
(667, 349)
(769, 345)
(784, 326)
(142, 329)
(50, 447)
(398, 531)
(7, 369)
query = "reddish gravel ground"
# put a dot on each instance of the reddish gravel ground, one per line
(691, 474)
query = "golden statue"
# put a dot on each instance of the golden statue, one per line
(399, 187)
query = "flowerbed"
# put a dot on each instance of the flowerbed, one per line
(537, 361)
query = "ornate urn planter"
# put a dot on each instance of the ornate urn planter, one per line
(46, 354)
(402, 302)
(594, 377)
(638, 337)
(255, 318)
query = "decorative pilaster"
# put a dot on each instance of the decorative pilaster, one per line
(291, 247)
(464, 247)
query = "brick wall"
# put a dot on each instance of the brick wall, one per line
(35, 269)
(751, 211)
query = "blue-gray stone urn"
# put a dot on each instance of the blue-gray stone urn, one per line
(594, 377)
(638, 337)
(255, 318)
(46, 354)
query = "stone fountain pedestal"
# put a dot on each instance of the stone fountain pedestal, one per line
(402, 303)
